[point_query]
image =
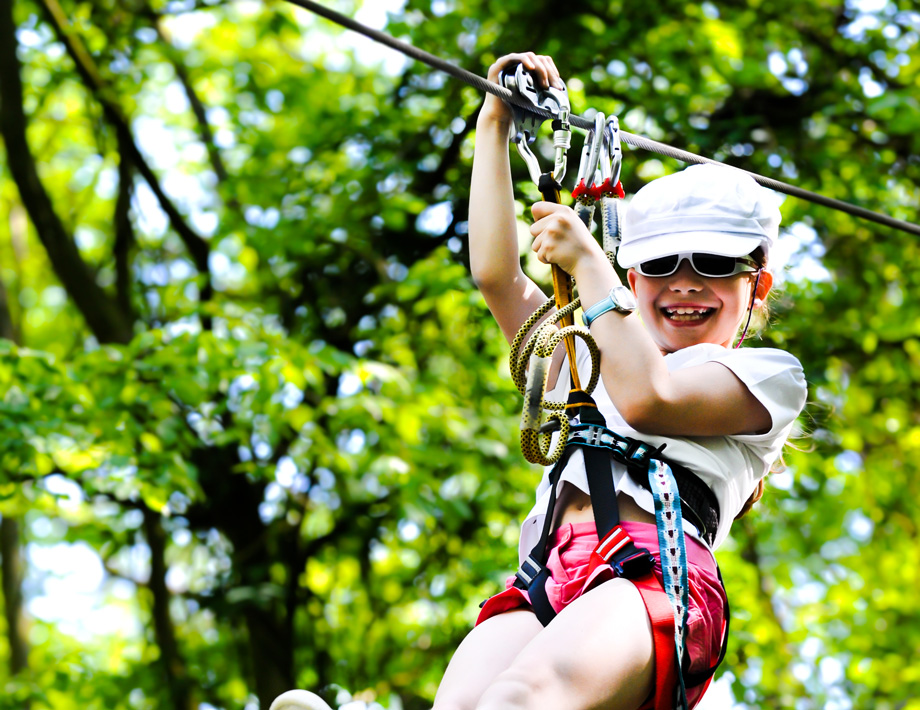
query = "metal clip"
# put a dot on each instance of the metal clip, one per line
(590, 158)
(610, 167)
(610, 188)
(585, 192)
(527, 576)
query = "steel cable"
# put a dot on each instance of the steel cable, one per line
(632, 139)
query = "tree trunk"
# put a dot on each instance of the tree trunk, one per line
(12, 567)
(177, 679)
(12, 574)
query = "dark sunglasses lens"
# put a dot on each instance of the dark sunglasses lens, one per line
(713, 264)
(660, 267)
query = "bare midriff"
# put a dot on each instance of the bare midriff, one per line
(574, 506)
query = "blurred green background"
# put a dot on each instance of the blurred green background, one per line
(256, 425)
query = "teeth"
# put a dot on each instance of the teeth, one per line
(687, 314)
(687, 311)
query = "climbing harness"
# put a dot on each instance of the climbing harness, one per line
(632, 139)
(677, 491)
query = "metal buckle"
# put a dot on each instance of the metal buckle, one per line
(635, 566)
(595, 435)
(527, 577)
(639, 453)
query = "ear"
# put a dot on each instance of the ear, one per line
(763, 288)
(631, 277)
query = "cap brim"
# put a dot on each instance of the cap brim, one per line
(722, 243)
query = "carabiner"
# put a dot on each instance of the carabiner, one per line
(613, 159)
(586, 191)
(611, 189)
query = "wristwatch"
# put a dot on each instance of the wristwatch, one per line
(620, 299)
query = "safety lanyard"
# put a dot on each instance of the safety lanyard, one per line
(597, 180)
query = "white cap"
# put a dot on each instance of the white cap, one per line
(713, 209)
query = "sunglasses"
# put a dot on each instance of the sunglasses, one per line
(711, 265)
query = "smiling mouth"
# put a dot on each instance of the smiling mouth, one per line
(687, 314)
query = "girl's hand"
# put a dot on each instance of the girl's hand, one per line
(545, 74)
(561, 238)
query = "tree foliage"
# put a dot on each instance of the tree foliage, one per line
(246, 368)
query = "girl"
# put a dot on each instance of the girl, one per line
(696, 244)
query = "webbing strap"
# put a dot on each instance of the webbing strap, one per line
(667, 607)
(532, 575)
(673, 559)
(662, 617)
(700, 506)
(627, 559)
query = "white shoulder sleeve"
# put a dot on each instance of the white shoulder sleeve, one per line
(776, 378)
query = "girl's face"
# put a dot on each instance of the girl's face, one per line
(686, 309)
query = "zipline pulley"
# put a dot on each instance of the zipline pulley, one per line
(527, 123)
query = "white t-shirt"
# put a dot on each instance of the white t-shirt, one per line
(730, 465)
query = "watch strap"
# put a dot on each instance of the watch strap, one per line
(601, 307)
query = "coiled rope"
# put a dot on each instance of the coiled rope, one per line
(631, 139)
(529, 370)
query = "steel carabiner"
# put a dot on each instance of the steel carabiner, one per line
(585, 193)
(610, 189)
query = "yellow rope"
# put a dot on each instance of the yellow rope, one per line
(530, 370)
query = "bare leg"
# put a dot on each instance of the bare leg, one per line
(598, 654)
(488, 649)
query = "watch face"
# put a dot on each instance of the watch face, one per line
(623, 298)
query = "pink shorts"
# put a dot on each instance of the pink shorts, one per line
(572, 545)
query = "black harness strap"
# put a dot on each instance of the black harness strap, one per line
(628, 560)
(601, 446)
(532, 575)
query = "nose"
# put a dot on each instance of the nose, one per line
(685, 279)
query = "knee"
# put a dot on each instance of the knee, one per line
(450, 705)
(514, 690)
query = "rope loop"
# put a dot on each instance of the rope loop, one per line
(535, 444)
(530, 369)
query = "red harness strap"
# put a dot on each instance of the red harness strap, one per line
(661, 614)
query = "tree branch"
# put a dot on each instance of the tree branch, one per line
(197, 105)
(12, 576)
(124, 230)
(11, 561)
(102, 315)
(197, 247)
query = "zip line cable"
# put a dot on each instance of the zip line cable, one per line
(632, 139)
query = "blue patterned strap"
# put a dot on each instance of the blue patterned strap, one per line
(673, 557)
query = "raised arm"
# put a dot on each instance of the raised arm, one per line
(494, 260)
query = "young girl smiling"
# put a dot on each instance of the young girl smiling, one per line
(695, 245)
